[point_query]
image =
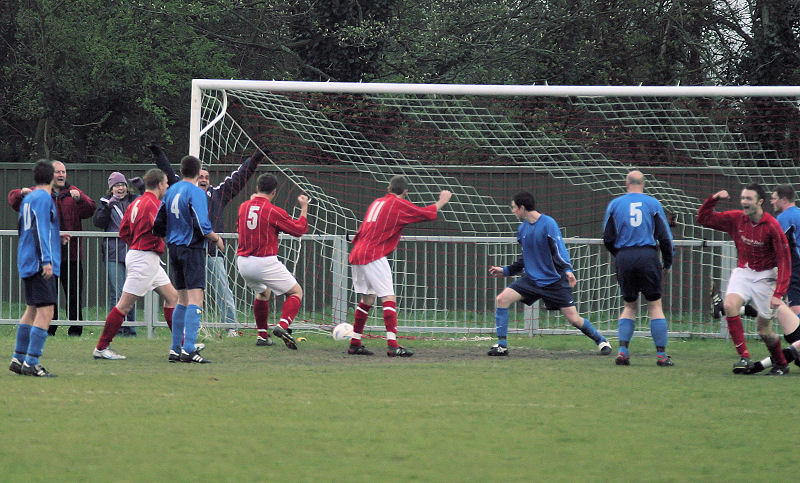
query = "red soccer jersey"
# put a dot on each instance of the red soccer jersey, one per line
(380, 231)
(760, 246)
(259, 224)
(136, 228)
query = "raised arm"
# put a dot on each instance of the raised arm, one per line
(708, 218)
(233, 183)
(162, 163)
(15, 197)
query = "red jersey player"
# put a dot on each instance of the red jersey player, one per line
(143, 263)
(259, 224)
(377, 237)
(761, 276)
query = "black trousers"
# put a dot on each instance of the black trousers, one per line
(72, 286)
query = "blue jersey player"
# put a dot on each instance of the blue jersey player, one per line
(39, 265)
(546, 274)
(183, 218)
(788, 216)
(634, 229)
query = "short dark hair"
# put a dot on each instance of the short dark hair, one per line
(760, 192)
(525, 199)
(398, 184)
(153, 177)
(267, 183)
(190, 166)
(785, 191)
(43, 172)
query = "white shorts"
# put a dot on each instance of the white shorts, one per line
(262, 273)
(373, 278)
(143, 272)
(756, 288)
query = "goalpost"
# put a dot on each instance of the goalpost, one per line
(570, 145)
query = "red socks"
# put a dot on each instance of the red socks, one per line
(390, 322)
(114, 321)
(261, 313)
(362, 312)
(736, 330)
(168, 316)
(289, 310)
(775, 351)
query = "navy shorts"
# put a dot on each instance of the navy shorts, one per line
(793, 293)
(40, 291)
(188, 267)
(639, 271)
(555, 296)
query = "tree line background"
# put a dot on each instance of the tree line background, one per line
(96, 80)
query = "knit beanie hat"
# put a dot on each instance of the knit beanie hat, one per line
(116, 177)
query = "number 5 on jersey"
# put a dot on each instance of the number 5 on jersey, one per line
(252, 217)
(636, 213)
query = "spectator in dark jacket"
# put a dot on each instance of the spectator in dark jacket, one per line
(218, 198)
(108, 217)
(73, 206)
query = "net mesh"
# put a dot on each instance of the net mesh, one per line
(571, 152)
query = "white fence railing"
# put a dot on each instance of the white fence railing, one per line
(441, 282)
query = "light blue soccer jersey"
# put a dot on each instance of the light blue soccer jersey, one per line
(186, 208)
(39, 235)
(544, 255)
(637, 220)
(790, 222)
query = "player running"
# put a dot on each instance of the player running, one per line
(143, 262)
(546, 274)
(259, 224)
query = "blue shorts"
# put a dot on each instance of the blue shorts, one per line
(555, 296)
(639, 270)
(187, 266)
(40, 291)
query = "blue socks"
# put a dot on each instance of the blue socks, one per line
(590, 332)
(178, 324)
(658, 329)
(23, 339)
(192, 321)
(625, 334)
(35, 345)
(501, 325)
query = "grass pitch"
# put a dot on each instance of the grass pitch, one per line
(555, 410)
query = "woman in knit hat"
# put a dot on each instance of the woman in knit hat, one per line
(108, 218)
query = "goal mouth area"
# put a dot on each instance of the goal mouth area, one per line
(340, 143)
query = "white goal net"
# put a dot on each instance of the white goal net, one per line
(570, 146)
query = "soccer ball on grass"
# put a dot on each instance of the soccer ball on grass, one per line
(342, 331)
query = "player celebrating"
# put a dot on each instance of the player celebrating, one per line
(376, 238)
(39, 265)
(260, 222)
(761, 276)
(635, 224)
(183, 218)
(142, 261)
(546, 274)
